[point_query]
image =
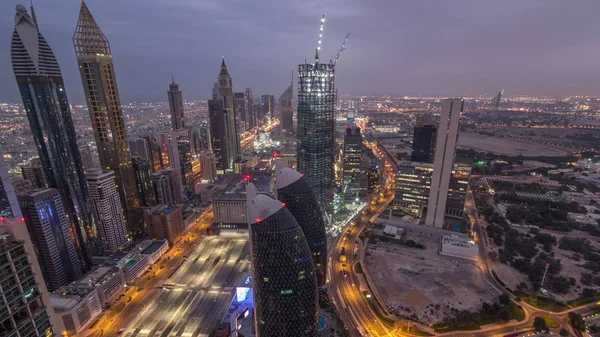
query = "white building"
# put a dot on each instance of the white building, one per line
(109, 282)
(107, 203)
(154, 249)
(78, 308)
(445, 148)
(134, 266)
(460, 247)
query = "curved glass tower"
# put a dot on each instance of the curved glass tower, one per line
(295, 192)
(285, 285)
(45, 100)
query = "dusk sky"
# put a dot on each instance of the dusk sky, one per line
(451, 48)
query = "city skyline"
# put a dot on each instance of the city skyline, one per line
(481, 50)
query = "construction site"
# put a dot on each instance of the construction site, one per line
(421, 284)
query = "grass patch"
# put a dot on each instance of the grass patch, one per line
(447, 327)
(550, 322)
(516, 312)
(542, 302)
(583, 301)
(385, 320)
(358, 268)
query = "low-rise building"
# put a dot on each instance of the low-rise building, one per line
(108, 282)
(164, 222)
(458, 246)
(78, 308)
(155, 249)
(134, 267)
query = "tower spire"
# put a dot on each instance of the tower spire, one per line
(172, 79)
(223, 67)
(88, 38)
(33, 16)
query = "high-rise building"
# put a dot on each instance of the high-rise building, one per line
(50, 232)
(164, 222)
(45, 101)
(268, 106)
(293, 190)
(86, 154)
(185, 157)
(111, 220)
(239, 101)
(167, 186)
(169, 149)
(27, 307)
(8, 199)
(142, 171)
(176, 106)
(353, 178)
(208, 165)
(215, 91)
(218, 134)
(35, 173)
(205, 138)
(141, 148)
(423, 146)
(250, 115)
(285, 285)
(498, 99)
(286, 110)
(316, 126)
(447, 137)
(226, 96)
(99, 81)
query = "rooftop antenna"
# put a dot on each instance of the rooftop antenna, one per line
(320, 40)
(342, 48)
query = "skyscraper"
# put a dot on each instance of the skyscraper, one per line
(293, 190)
(423, 146)
(111, 220)
(447, 136)
(498, 99)
(45, 101)
(239, 99)
(352, 175)
(94, 58)
(285, 285)
(286, 110)
(268, 106)
(176, 106)
(142, 171)
(226, 96)
(35, 173)
(8, 199)
(48, 226)
(218, 134)
(208, 165)
(250, 115)
(205, 139)
(316, 126)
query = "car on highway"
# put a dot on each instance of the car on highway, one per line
(121, 331)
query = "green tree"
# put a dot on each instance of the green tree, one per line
(539, 324)
(576, 321)
(564, 332)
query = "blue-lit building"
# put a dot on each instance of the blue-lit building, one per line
(293, 190)
(285, 283)
(45, 100)
(50, 233)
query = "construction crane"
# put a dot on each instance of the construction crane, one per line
(320, 40)
(334, 60)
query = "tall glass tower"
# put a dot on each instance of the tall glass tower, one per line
(176, 106)
(316, 128)
(100, 86)
(285, 285)
(45, 100)
(299, 199)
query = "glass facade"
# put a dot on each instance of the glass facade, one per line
(45, 101)
(423, 146)
(316, 126)
(285, 286)
(299, 198)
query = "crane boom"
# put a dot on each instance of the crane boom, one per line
(342, 48)
(320, 40)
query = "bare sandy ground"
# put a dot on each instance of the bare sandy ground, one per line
(507, 146)
(421, 282)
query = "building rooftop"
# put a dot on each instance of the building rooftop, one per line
(163, 209)
(153, 247)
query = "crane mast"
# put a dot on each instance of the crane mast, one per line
(320, 40)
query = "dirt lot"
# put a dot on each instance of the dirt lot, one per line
(507, 146)
(424, 283)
